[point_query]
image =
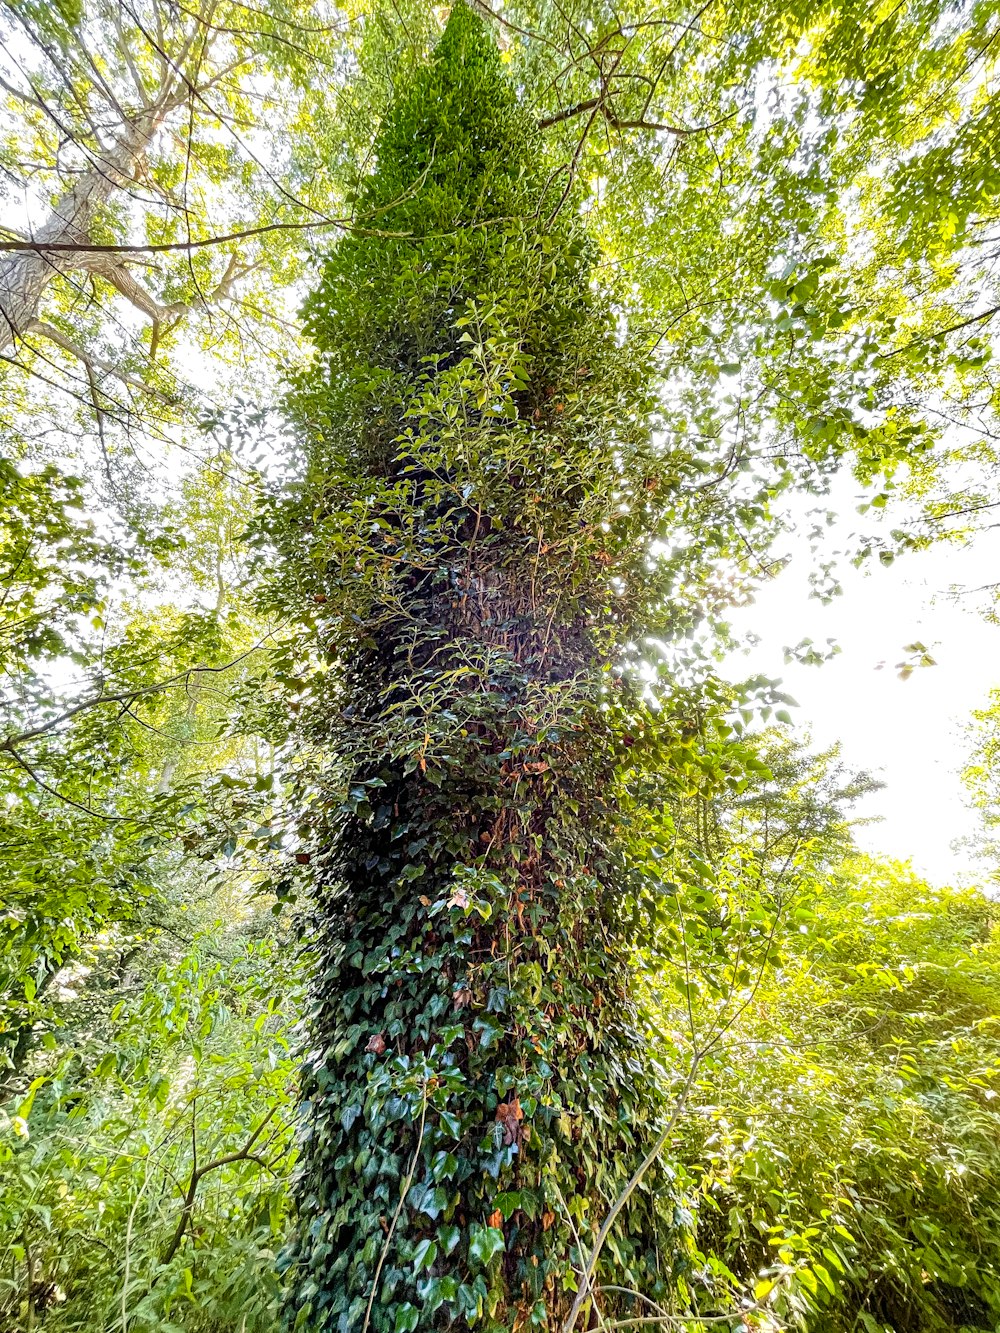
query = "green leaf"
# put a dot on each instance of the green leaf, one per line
(407, 1318)
(485, 1244)
(424, 1255)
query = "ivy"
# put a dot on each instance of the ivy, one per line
(474, 521)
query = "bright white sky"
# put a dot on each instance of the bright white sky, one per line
(909, 733)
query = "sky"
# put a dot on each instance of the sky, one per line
(911, 733)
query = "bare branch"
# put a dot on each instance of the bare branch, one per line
(600, 103)
(626, 1194)
(941, 333)
(7, 748)
(75, 247)
(90, 360)
(137, 79)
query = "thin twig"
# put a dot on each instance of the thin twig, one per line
(399, 1208)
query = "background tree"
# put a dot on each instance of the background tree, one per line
(137, 133)
(144, 756)
(130, 162)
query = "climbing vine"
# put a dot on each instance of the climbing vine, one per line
(469, 542)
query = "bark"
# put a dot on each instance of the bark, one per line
(26, 274)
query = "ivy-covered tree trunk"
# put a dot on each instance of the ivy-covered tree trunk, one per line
(472, 540)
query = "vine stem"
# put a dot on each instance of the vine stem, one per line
(399, 1208)
(697, 1055)
(626, 1194)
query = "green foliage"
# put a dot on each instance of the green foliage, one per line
(845, 1147)
(48, 554)
(981, 776)
(797, 205)
(117, 721)
(144, 1170)
(568, 361)
(833, 1163)
(827, 1024)
(470, 539)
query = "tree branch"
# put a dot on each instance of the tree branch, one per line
(600, 104)
(76, 247)
(941, 333)
(198, 1173)
(7, 748)
(89, 360)
(126, 696)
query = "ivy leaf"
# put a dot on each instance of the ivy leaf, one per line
(485, 1243)
(407, 1318)
(424, 1255)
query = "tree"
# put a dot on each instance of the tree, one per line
(470, 539)
(799, 205)
(570, 360)
(136, 121)
(815, 250)
(127, 171)
(148, 239)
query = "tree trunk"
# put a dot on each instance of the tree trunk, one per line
(25, 274)
(473, 534)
